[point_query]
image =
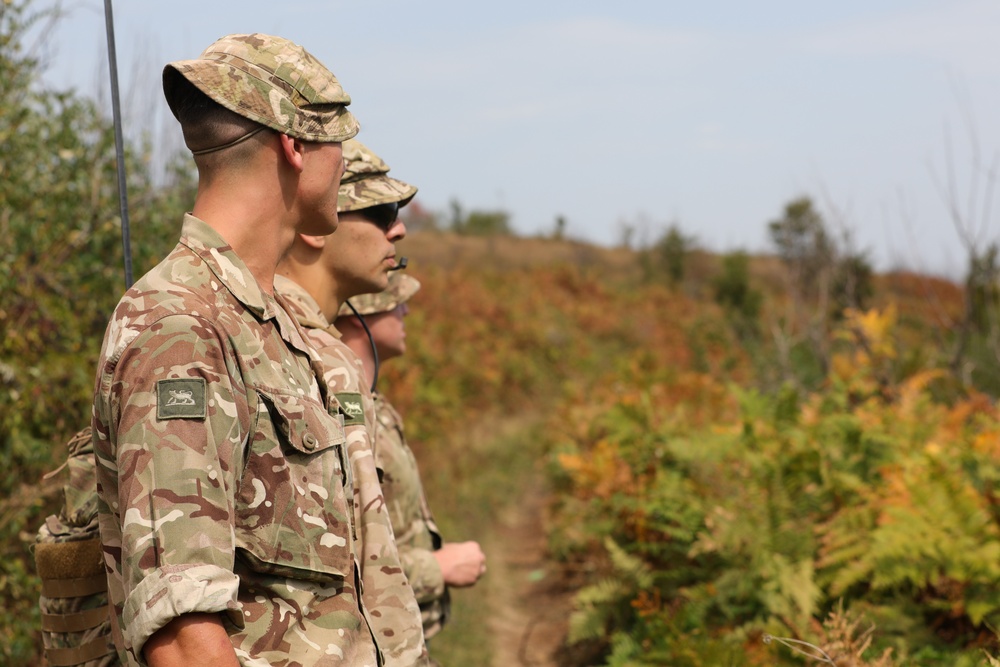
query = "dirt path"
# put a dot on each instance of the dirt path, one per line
(530, 607)
(493, 489)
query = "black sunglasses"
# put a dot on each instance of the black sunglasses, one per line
(384, 216)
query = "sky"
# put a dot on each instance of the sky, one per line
(635, 114)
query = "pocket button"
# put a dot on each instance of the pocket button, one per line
(309, 441)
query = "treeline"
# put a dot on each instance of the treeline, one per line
(60, 276)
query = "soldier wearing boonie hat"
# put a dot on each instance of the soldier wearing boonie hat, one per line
(271, 81)
(224, 489)
(366, 181)
(431, 564)
(318, 274)
(401, 288)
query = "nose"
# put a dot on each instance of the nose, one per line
(397, 232)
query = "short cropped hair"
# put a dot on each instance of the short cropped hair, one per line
(207, 124)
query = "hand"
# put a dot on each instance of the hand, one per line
(462, 563)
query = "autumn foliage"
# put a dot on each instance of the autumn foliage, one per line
(729, 460)
(867, 495)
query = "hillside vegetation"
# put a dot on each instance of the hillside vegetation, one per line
(715, 480)
(744, 457)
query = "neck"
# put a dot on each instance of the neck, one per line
(308, 272)
(260, 241)
(358, 341)
(248, 208)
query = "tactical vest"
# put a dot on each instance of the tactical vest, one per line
(76, 621)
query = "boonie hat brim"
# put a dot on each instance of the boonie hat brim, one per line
(271, 81)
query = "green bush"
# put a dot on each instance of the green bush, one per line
(875, 496)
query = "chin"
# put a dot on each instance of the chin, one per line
(391, 352)
(318, 227)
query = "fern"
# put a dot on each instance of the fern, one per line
(598, 605)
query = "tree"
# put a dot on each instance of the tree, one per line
(60, 277)
(810, 257)
(673, 248)
(982, 287)
(969, 201)
(804, 246)
(559, 233)
(733, 292)
(479, 223)
(853, 282)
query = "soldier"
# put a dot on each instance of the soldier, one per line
(317, 276)
(221, 474)
(431, 565)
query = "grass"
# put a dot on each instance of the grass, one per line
(477, 481)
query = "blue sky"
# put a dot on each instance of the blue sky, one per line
(711, 115)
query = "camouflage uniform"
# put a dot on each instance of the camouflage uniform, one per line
(385, 590)
(417, 535)
(221, 474)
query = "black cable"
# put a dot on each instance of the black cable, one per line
(371, 340)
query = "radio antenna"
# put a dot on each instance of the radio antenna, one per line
(119, 142)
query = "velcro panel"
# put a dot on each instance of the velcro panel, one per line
(75, 587)
(69, 560)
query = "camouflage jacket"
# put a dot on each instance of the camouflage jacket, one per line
(385, 591)
(416, 533)
(221, 474)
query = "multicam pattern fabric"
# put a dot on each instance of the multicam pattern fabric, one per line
(417, 535)
(387, 595)
(366, 182)
(399, 290)
(274, 82)
(243, 511)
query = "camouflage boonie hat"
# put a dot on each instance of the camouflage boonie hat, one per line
(401, 288)
(365, 182)
(271, 81)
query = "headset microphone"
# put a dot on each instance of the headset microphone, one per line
(400, 265)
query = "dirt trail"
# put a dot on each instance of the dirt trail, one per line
(530, 607)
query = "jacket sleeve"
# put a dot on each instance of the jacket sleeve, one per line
(423, 572)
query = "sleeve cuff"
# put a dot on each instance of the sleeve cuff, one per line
(423, 572)
(169, 592)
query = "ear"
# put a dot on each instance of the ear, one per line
(316, 242)
(349, 321)
(293, 150)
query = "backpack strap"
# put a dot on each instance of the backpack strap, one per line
(76, 587)
(78, 621)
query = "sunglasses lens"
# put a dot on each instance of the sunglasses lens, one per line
(383, 215)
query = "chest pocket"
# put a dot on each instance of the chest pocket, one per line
(293, 517)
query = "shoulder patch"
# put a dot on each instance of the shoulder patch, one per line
(350, 404)
(180, 398)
